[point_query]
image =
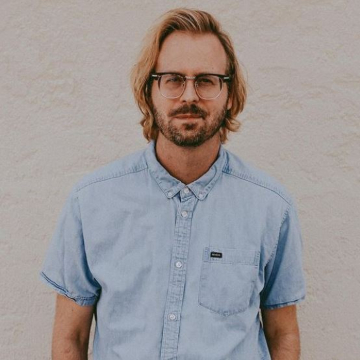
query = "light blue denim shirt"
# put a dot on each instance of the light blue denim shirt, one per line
(177, 271)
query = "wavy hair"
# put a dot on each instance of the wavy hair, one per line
(197, 22)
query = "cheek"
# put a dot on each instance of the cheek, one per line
(162, 105)
(218, 108)
(153, 93)
(155, 101)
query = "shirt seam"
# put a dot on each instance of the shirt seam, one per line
(65, 291)
(278, 238)
(249, 178)
(109, 177)
(277, 243)
(285, 303)
(76, 197)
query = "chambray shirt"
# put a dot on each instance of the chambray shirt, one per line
(177, 271)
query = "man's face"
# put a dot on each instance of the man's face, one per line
(189, 120)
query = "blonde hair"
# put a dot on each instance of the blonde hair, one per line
(193, 21)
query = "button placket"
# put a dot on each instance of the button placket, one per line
(177, 276)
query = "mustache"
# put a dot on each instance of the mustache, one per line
(189, 109)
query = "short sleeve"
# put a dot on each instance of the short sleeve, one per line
(284, 274)
(65, 267)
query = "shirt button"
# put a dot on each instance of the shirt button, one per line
(169, 194)
(178, 264)
(172, 316)
(201, 195)
(184, 214)
(186, 190)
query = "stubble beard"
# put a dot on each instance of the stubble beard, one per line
(190, 134)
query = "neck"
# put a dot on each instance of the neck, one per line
(187, 163)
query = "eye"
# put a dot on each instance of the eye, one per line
(207, 80)
(172, 79)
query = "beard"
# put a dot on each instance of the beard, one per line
(190, 134)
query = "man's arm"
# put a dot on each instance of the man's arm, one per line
(71, 330)
(282, 332)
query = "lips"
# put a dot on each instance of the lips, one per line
(188, 116)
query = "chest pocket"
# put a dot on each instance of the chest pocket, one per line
(227, 279)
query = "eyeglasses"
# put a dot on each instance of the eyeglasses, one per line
(207, 86)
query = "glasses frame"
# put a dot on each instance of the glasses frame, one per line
(223, 79)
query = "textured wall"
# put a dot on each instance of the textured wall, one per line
(66, 109)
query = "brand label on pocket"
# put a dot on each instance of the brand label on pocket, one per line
(216, 254)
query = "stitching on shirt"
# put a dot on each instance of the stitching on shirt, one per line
(256, 181)
(278, 238)
(66, 292)
(276, 246)
(112, 176)
(284, 217)
(160, 183)
(76, 197)
(284, 303)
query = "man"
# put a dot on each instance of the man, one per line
(181, 250)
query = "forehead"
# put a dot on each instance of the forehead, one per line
(191, 54)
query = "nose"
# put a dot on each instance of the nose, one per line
(189, 95)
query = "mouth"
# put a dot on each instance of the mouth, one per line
(188, 116)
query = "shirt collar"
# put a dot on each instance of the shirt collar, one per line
(171, 186)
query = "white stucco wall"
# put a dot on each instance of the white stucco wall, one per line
(66, 108)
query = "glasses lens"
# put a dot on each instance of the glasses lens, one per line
(209, 86)
(171, 85)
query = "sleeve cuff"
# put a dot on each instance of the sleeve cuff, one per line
(280, 305)
(80, 300)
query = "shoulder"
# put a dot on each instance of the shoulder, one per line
(128, 164)
(258, 178)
